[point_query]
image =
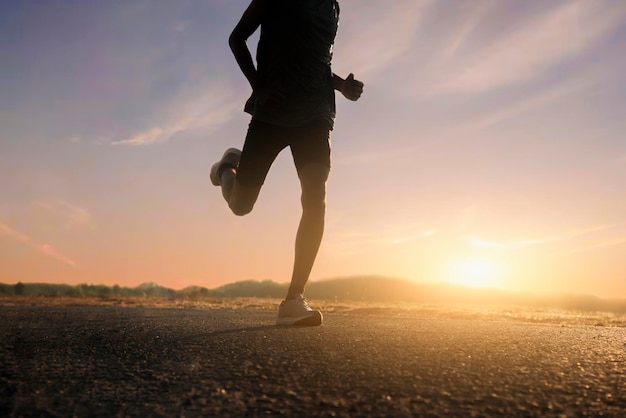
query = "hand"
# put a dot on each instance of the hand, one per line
(351, 88)
(269, 97)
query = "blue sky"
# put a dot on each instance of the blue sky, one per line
(490, 134)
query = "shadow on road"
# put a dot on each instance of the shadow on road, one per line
(220, 332)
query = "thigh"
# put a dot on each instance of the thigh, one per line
(263, 143)
(310, 145)
(243, 198)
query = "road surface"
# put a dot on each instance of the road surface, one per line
(115, 361)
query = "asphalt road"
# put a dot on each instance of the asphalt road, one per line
(113, 361)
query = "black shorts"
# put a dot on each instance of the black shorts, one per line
(309, 143)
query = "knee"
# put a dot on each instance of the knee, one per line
(313, 182)
(242, 199)
(314, 199)
(240, 209)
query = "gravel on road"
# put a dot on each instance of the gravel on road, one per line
(137, 361)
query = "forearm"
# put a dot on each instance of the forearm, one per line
(337, 82)
(243, 57)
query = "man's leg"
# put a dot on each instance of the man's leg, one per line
(313, 178)
(242, 173)
(240, 198)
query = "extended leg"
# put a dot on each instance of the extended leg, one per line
(313, 182)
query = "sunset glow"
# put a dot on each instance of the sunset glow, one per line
(487, 149)
(474, 272)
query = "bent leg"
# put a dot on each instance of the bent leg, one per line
(240, 198)
(313, 178)
(241, 185)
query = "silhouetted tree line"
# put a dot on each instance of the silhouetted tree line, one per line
(86, 290)
(359, 288)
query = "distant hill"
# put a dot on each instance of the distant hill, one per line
(394, 290)
(375, 289)
(252, 288)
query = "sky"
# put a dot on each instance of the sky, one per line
(487, 149)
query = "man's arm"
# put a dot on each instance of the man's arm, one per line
(350, 88)
(248, 24)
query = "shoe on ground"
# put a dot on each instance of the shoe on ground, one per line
(298, 312)
(230, 159)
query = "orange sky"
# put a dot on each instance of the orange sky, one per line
(487, 148)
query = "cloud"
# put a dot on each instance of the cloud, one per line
(477, 242)
(206, 112)
(605, 244)
(615, 238)
(564, 89)
(13, 234)
(149, 136)
(363, 241)
(75, 216)
(528, 51)
(381, 35)
(54, 253)
(574, 234)
(42, 248)
(465, 29)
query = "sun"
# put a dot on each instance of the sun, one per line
(474, 272)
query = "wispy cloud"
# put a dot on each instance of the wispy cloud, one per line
(614, 242)
(50, 251)
(75, 216)
(362, 240)
(478, 242)
(464, 30)
(537, 101)
(42, 248)
(381, 35)
(530, 49)
(13, 234)
(574, 234)
(206, 112)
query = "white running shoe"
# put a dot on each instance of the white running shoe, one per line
(229, 159)
(298, 312)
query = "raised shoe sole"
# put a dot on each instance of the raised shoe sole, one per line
(230, 158)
